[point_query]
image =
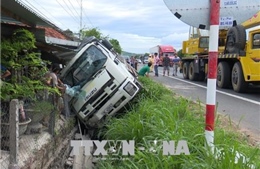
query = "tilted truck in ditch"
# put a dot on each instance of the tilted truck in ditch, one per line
(104, 81)
(238, 60)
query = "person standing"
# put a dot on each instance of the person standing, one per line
(166, 63)
(151, 60)
(132, 61)
(176, 61)
(156, 64)
(135, 63)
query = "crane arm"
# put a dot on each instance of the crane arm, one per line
(252, 22)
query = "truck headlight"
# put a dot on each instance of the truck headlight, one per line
(130, 88)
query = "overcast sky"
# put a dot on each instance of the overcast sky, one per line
(137, 24)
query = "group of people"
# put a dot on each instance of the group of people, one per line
(133, 62)
(167, 62)
(153, 64)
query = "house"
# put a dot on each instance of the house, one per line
(53, 43)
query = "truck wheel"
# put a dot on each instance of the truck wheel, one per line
(223, 75)
(238, 82)
(192, 75)
(185, 70)
(236, 39)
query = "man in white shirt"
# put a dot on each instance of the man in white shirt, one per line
(156, 64)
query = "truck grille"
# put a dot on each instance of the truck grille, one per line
(100, 98)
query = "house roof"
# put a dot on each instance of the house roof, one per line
(15, 12)
(50, 38)
(22, 13)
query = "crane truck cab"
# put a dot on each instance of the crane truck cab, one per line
(238, 59)
(105, 82)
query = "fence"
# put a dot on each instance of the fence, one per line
(27, 128)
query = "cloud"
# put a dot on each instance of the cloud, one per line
(138, 24)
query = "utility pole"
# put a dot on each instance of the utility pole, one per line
(80, 27)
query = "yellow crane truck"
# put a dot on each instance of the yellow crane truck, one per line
(238, 59)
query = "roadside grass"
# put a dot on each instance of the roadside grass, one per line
(158, 114)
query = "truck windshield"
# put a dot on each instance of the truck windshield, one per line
(204, 42)
(170, 54)
(85, 67)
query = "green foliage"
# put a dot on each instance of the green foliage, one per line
(26, 66)
(92, 32)
(160, 115)
(42, 106)
(180, 54)
(96, 32)
(116, 45)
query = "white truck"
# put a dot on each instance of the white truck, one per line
(106, 82)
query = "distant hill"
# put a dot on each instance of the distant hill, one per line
(124, 53)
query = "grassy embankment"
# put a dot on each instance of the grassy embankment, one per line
(158, 114)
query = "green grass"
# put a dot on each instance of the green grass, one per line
(158, 114)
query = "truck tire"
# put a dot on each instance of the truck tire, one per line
(236, 39)
(192, 75)
(223, 75)
(237, 78)
(185, 70)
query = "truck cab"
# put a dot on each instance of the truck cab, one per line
(106, 85)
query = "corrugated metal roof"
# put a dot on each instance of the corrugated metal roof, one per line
(50, 38)
(24, 14)
(14, 12)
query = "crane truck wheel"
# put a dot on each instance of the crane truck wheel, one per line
(223, 75)
(192, 75)
(236, 39)
(185, 70)
(237, 78)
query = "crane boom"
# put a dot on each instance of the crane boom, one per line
(252, 22)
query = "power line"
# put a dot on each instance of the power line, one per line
(49, 13)
(73, 7)
(82, 10)
(78, 2)
(32, 8)
(67, 11)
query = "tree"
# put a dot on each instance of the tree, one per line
(95, 32)
(27, 67)
(91, 32)
(116, 45)
(179, 53)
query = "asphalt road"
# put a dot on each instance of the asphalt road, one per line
(243, 109)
